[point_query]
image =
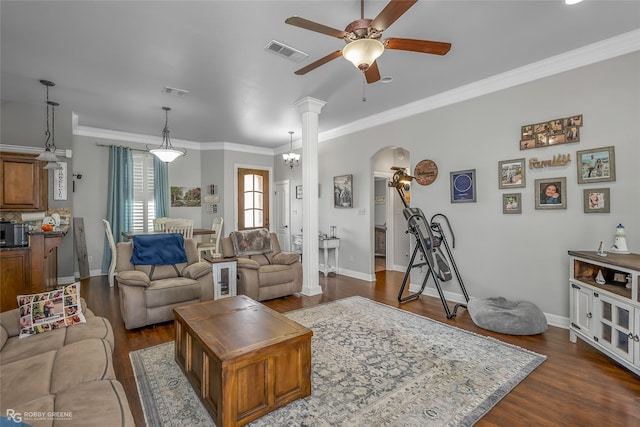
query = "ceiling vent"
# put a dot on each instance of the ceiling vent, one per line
(285, 51)
(175, 92)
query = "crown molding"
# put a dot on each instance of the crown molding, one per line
(590, 54)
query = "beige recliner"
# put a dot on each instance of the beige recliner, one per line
(149, 293)
(264, 271)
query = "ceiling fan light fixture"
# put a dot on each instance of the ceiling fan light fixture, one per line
(165, 151)
(363, 52)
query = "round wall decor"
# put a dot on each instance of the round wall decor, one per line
(426, 171)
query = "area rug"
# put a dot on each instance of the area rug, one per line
(372, 365)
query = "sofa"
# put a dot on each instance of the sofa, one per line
(63, 377)
(149, 292)
(264, 271)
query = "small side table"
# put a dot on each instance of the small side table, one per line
(327, 243)
(225, 277)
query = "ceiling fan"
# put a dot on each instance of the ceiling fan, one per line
(363, 39)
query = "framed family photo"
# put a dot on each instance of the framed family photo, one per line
(463, 186)
(597, 200)
(512, 203)
(596, 165)
(343, 191)
(511, 173)
(551, 193)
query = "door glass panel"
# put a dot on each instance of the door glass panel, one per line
(258, 199)
(623, 317)
(258, 183)
(623, 341)
(248, 218)
(248, 182)
(606, 311)
(248, 201)
(258, 219)
(606, 332)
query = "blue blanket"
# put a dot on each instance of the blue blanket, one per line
(158, 249)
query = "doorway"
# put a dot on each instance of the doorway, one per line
(390, 242)
(253, 198)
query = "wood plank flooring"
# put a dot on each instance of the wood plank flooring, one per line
(575, 386)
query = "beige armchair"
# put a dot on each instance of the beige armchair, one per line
(264, 271)
(149, 293)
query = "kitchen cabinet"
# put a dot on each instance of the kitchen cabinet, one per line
(24, 182)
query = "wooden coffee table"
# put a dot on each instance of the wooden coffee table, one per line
(242, 358)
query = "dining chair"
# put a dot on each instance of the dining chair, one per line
(158, 223)
(213, 245)
(182, 226)
(112, 246)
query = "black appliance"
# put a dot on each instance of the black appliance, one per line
(13, 235)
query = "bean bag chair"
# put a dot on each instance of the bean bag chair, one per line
(498, 314)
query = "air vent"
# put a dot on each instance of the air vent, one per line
(285, 51)
(175, 92)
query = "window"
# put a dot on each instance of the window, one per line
(144, 210)
(253, 199)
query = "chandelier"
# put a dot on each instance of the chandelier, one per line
(48, 155)
(165, 151)
(291, 159)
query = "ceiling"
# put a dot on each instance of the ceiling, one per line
(110, 60)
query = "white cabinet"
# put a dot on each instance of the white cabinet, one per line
(605, 310)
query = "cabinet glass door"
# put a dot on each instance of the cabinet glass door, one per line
(614, 328)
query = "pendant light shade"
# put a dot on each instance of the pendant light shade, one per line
(48, 155)
(291, 159)
(363, 52)
(165, 151)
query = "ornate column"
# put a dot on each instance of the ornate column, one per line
(309, 109)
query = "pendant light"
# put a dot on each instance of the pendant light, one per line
(48, 155)
(165, 151)
(291, 159)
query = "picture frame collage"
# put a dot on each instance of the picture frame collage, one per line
(592, 166)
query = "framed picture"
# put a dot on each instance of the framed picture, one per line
(597, 200)
(551, 193)
(511, 173)
(298, 191)
(512, 203)
(596, 165)
(343, 191)
(463, 186)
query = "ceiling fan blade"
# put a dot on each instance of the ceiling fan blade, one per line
(319, 62)
(391, 12)
(314, 26)
(423, 46)
(372, 74)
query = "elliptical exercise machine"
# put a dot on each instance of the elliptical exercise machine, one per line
(429, 240)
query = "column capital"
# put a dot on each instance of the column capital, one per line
(309, 105)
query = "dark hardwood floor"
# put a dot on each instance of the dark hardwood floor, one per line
(575, 386)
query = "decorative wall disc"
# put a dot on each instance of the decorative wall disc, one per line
(426, 171)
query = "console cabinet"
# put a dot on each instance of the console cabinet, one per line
(24, 183)
(605, 304)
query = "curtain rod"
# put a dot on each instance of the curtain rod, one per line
(111, 145)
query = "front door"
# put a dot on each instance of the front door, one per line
(281, 214)
(253, 198)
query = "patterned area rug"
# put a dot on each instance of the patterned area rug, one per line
(372, 365)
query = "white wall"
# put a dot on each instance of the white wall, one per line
(515, 256)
